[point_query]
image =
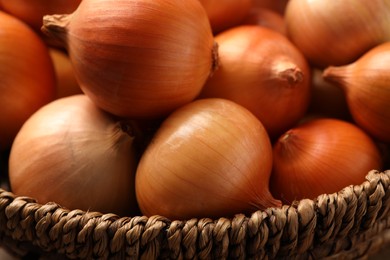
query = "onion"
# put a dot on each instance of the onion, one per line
(67, 84)
(366, 84)
(27, 79)
(321, 156)
(137, 58)
(32, 11)
(76, 155)
(263, 71)
(337, 32)
(327, 98)
(266, 18)
(209, 158)
(225, 14)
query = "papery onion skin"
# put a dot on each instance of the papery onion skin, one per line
(210, 158)
(73, 153)
(32, 12)
(321, 156)
(27, 79)
(138, 58)
(366, 84)
(350, 27)
(225, 14)
(263, 71)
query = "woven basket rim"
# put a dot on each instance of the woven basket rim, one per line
(325, 226)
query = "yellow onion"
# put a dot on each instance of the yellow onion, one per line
(321, 156)
(77, 155)
(137, 58)
(366, 84)
(337, 32)
(209, 158)
(32, 11)
(27, 79)
(225, 14)
(263, 71)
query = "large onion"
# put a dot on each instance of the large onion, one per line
(263, 71)
(337, 32)
(210, 158)
(321, 156)
(77, 155)
(137, 58)
(366, 85)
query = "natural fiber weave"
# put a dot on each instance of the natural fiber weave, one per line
(349, 224)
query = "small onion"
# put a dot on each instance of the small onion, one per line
(337, 32)
(27, 79)
(210, 158)
(137, 58)
(225, 14)
(263, 71)
(321, 156)
(77, 155)
(366, 84)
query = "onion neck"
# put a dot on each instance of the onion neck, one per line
(214, 59)
(336, 75)
(56, 28)
(287, 71)
(129, 132)
(287, 143)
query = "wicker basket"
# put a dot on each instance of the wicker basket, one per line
(350, 224)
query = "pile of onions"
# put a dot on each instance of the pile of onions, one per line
(366, 84)
(192, 108)
(73, 153)
(263, 71)
(32, 12)
(225, 14)
(210, 158)
(27, 79)
(321, 156)
(137, 58)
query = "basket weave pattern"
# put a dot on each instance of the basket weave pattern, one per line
(349, 224)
